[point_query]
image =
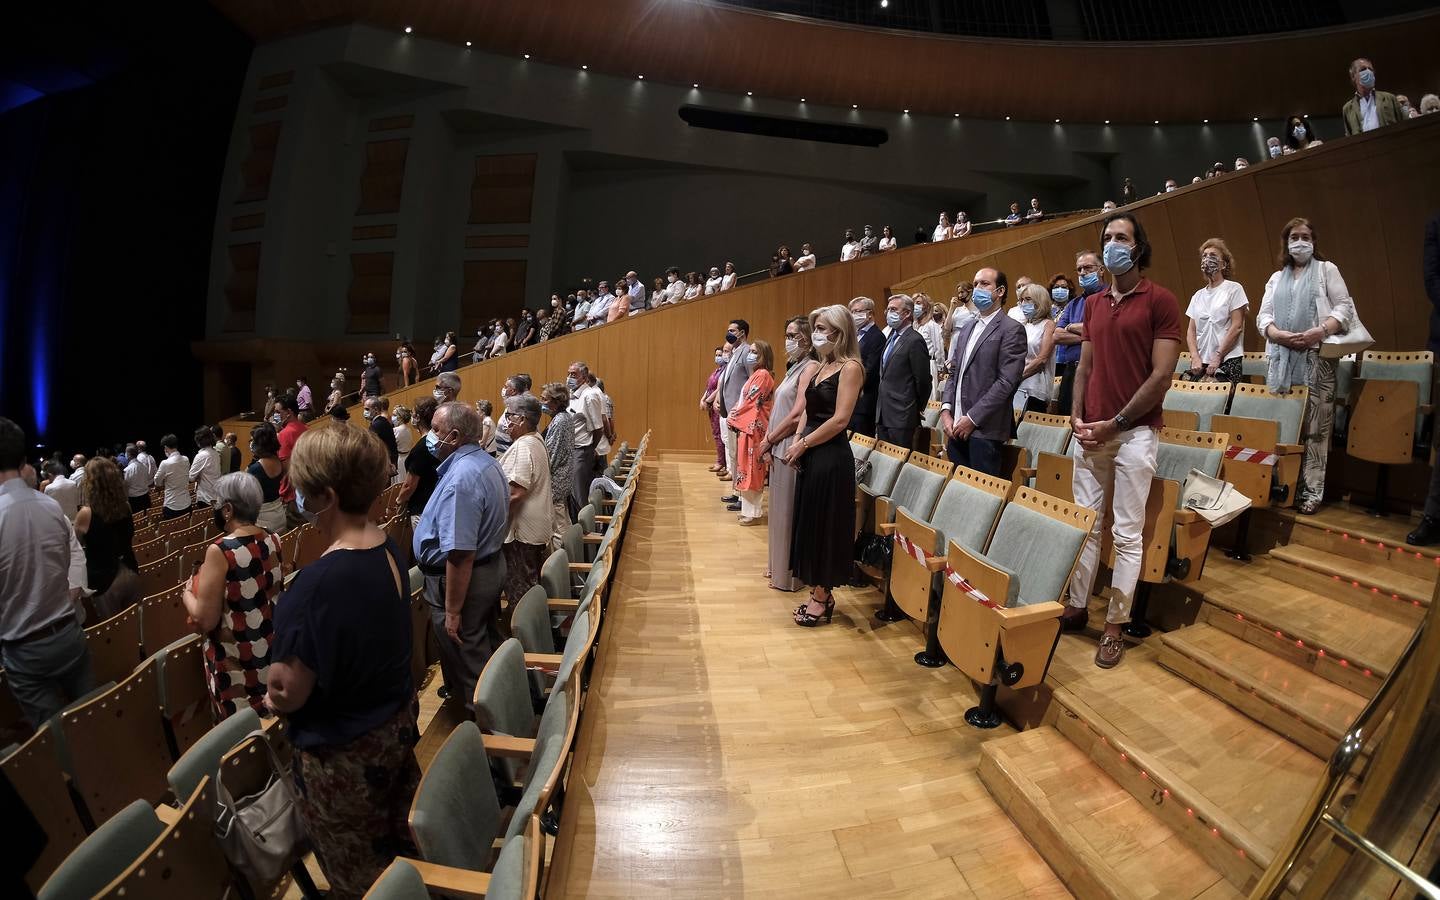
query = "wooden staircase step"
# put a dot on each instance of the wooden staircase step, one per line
(1349, 646)
(1287, 698)
(1228, 784)
(1354, 534)
(1098, 838)
(1383, 581)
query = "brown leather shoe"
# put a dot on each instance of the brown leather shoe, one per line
(1110, 651)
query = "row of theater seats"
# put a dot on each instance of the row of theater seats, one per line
(137, 764)
(983, 561)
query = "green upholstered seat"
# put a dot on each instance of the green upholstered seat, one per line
(105, 854)
(1204, 404)
(1174, 462)
(503, 702)
(1287, 410)
(203, 757)
(455, 816)
(1038, 438)
(548, 753)
(916, 490)
(1040, 549)
(964, 515)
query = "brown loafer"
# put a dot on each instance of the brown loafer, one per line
(1110, 651)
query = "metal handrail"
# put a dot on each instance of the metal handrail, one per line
(1372, 850)
(1273, 882)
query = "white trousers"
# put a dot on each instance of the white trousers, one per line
(1115, 477)
(750, 504)
(728, 436)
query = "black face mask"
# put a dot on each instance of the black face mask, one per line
(731, 337)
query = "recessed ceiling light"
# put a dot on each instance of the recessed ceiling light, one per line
(1007, 118)
(749, 93)
(907, 112)
(884, 3)
(694, 85)
(854, 106)
(584, 67)
(1305, 116)
(802, 99)
(957, 115)
(467, 43)
(1057, 121)
(526, 55)
(1157, 121)
(641, 77)
(408, 29)
(1204, 121)
(1107, 121)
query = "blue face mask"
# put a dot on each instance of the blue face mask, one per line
(570, 382)
(1117, 258)
(1059, 294)
(1274, 151)
(275, 420)
(752, 358)
(1090, 281)
(719, 360)
(893, 318)
(305, 514)
(431, 441)
(544, 408)
(1367, 78)
(982, 299)
(1027, 310)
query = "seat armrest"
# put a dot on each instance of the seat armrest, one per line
(867, 490)
(593, 538)
(565, 604)
(167, 814)
(546, 662)
(886, 528)
(580, 567)
(1012, 616)
(935, 563)
(1289, 449)
(449, 880)
(1026, 471)
(508, 746)
(604, 520)
(1187, 517)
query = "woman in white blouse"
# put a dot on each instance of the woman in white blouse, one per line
(657, 296)
(728, 280)
(887, 239)
(962, 224)
(1038, 378)
(806, 260)
(1217, 318)
(928, 327)
(1305, 302)
(693, 286)
(942, 229)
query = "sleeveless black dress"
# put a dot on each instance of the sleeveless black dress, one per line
(822, 542)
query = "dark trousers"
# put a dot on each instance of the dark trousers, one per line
(1432, 500)
(175, 513)
(45, 673)
(1067, 387)
(975, 452)
(460, 663)
(139, 504)
(584, 474)
(900, 437)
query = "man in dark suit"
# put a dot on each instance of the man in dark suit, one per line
(904, 375)
(872, 345)
(987, 362)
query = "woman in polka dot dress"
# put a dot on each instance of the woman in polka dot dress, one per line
(231, 598)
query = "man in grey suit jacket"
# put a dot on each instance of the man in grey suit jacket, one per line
(727, 393)
(987, 361)
(904, 375)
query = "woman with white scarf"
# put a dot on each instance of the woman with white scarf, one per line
(1305, 302)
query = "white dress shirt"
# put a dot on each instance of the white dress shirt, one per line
(137, 479)
(205, 471)
(66, 493)
(149, 463)
(712, 285)
(849, 250)
(981, 323)
(674, 291)
(173, 477)
(728, 281)
(887, 244)
(582, 309)
(600, 309)
(588, 405)
(804, 262)
(692, 291)
(1369, 115)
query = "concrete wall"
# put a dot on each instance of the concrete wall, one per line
(621, 182)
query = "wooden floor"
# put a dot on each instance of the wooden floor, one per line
(725, 752)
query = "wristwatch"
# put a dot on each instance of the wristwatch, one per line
(1122, 422)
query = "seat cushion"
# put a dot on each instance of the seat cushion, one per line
(1204, 405)
(1041, 439)
(1041, 549)
(203, 757)
(1289, 412)
(105, 854)
(963, 515)
(455, 815)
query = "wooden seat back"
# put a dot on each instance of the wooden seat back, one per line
(34, 771)
(163, 619)
(185, 861)
(114, 645)
(117, 747)
(160, 575)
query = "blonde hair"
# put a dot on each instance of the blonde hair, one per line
(1038, 296)
(764, 355)
(1227, 262)
(352, 462)
(838, 321)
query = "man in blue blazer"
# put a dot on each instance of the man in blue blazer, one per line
(872, 345)
(986, 362)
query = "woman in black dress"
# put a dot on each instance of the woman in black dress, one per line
(823, 540)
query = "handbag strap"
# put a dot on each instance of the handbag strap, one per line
(222, 793)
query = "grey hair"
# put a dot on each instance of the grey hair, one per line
(526, 405)
(461, 417)
(449, 380)
(866, 304)
(242, 491)
(582, 370)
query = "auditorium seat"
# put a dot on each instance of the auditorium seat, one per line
(885, 464)
(189, 558)
(1390, 412)
(35, 771)
(515, 876)
(1000, 609)
(185, 701)
(1253, 366)
(310, 545)
(149, 551)
(966, 513)
(193, 534)
(505, 700)
(1190, 404)
(861, 446)
(420, 631)
(1041, 458)
(456, 816)
(114, 645)
(159, 575)
(202, 758)
(163, 619)
(104, 855)
(1270, 423)
(115, 745)
(916, 488)
(533, 625)
(930, 436)
(547, 755)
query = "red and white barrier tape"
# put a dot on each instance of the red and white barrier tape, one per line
(969, 589)
(1249, 454)
(910, 548)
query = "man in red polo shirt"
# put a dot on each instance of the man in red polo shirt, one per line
(288, 427)
(1130, 344)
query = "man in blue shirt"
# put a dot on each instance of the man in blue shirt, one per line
(1071, 323)
(457, 547)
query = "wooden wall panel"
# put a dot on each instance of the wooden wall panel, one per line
(502, 189)
(242, 286)
(259, 164)
(490, 288)
(392, 123)
(368, 299)
(372, 232)
(247, 222)
(267, 104)
(383, 179)
(873, 275)
(491, 241)
(825, 286)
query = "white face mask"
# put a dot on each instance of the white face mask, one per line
(859, 320)
(1302, 251)
(792, 346)
(819, 340)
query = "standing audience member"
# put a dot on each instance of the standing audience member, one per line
(674, 285)
(421, 465)
(205, 467)
(107, 529)
(560, 447)
(1034, 214)
(1368, 109)
(1305, 302)
(1217, 317)
(707, 405)
(1428, 531)
(143, 454)
(822, 545)
(288, 429)
(712, 284)
(942, 229)
(1430, 103)
(870, 346)
(370, 377)
(1132, 341)
(607, 433)
(749, 418)
(340, 668)
(887, 239)
(1272, 147)
(172, 477)
(304, 402)
(730, 279)
(267, 470)
(486, 409)
(806, 260)
(449, 359)
(268, 409)
(447, 388)
(869, 243)
(658, 295)
(962, 225)
(589, 409)
(66, 493)
(849, 248)
(784, 422)
(337, 393)
(1071, 323)
(635, 292)
(1038, 378)
(727, 396)
(525, 329)
(927, 324)
(382, 428)
(1127, 193)
(786, 264)
(228, 452)
(526, 466)
(404, 439)
(694, 286)
(42, 647)
(1014, 218)
(409, 368)
(1299, 135)
(230, 600)
(457, 547)
(904, 376)
(986, 367)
